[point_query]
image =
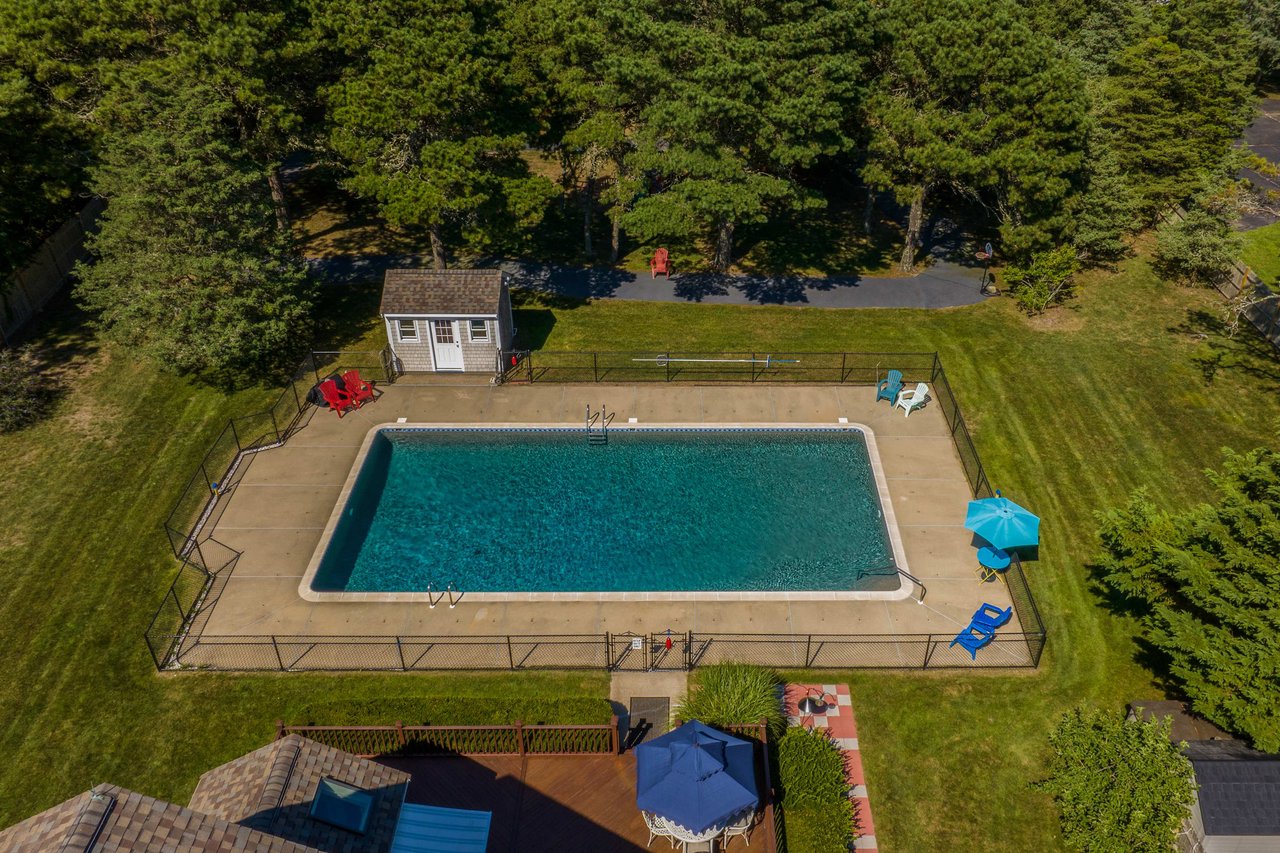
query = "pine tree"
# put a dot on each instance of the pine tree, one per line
(969, 97)
(1206, 584)
(189, 267)
(1178, 99)
(733, 100)
(424, 115)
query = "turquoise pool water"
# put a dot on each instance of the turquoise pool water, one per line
(653, 510)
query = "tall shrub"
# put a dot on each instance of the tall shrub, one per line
(1120, 786)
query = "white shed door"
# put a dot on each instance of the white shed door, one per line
(446, 343)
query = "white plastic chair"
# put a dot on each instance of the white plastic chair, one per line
(742, 826)
(913, 399)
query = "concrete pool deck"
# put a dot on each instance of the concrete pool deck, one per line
(281, 499)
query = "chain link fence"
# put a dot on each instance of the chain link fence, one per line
(177, 641)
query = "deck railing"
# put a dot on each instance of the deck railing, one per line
(417, 741)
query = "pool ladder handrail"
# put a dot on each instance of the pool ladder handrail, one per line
(455, 595)
(598, 424)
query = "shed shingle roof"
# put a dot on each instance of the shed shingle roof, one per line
(449, 292)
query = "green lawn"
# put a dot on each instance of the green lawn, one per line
(1262, 252)
(1130, 385)
(1069, 412)
(84, 563)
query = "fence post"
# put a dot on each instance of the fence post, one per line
(844, 358)
(688, 651)
(400, 732)
(511, 658)
(400, 651)
(808, 650)
(234, 434)
(667, 365)
(595, 366)
(178, 603)
(608, 651)
(297, 402)
(520, 735)
(528, 363)
(928, 651)
(275, 426)
(279, 729)
(279, 659)
(615, 745)
(752, 365)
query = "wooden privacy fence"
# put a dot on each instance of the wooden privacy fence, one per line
(1240, 282)
(30, 288)
(515, 739)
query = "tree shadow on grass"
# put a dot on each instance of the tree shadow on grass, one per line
(1146, 655)
(347, 316)
(1245, 351)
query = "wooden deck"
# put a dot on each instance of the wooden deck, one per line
(540, 803)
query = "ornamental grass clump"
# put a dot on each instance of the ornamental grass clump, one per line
(726, 694)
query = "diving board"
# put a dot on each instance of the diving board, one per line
(432, 829)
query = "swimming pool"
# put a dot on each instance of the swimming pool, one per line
(517, 513)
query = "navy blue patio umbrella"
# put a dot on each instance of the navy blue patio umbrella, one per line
(696, 776)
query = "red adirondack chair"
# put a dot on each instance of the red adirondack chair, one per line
(659, 264)
(357, 387)
(337, 399)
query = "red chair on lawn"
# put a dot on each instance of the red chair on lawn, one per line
(359, 389)
(659, 264)
(336, 398)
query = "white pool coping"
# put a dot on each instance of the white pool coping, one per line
(903, 590)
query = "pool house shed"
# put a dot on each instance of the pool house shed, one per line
(447, 320)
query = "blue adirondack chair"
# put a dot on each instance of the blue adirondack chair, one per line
(888, 389)
(972, 638)
(990, 616)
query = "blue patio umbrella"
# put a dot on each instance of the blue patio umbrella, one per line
(1003, 523)
(696, 776)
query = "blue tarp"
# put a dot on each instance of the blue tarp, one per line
(696, 776)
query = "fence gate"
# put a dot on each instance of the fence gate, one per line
(390, 367)
(628, 652)
(645, 652)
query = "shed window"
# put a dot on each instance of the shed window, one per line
(479, 330)
(407, 330)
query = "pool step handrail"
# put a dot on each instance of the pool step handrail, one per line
(435, 595)
(598, 424)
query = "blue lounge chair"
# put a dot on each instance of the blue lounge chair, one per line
(888, 389)
(972, 638)
(990, 616)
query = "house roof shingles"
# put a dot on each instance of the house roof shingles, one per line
(271, 790)
(110, 819)
(447, 292)
(258, 802)
(1239, 788)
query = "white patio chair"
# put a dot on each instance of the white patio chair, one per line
(913, 399)
(657, 829)
(740, 827)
